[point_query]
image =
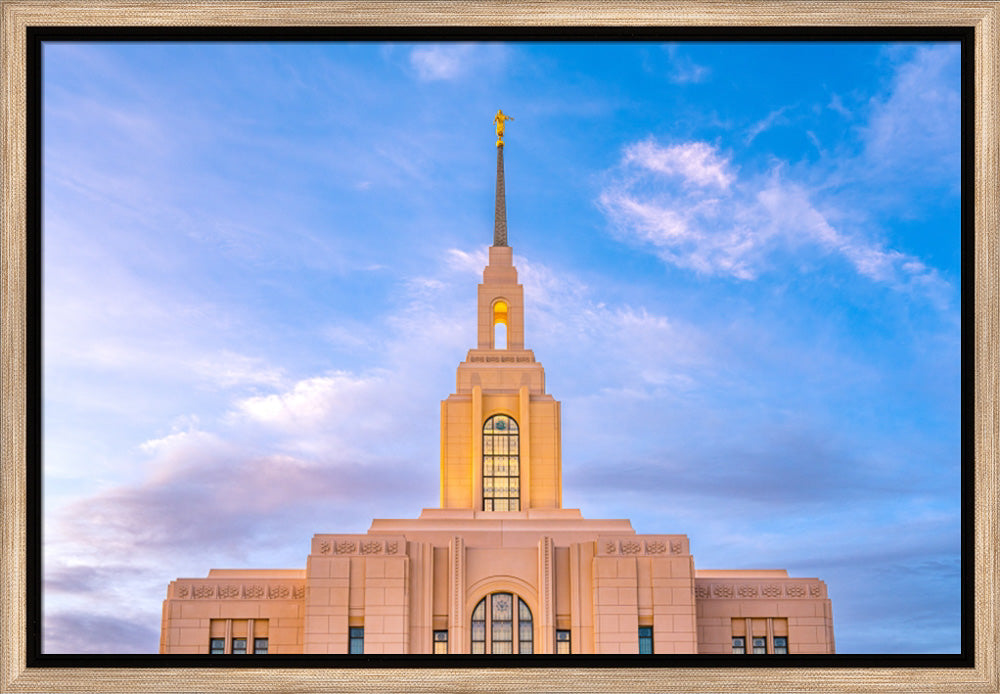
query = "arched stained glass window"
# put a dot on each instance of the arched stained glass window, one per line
(501, 464)
(497, 626)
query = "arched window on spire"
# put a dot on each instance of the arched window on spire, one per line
(500, 324)
(501, 464)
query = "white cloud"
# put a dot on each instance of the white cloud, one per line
(323, 411)
(718, 223)
(696, 162)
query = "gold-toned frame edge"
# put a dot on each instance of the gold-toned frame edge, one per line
(16, 15)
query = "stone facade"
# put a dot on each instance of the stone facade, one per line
(499, 566)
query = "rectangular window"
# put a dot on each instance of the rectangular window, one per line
(760, 635)
(645, 640)
(237, 636)
(562, 641)
(441, 642)
(357, 640)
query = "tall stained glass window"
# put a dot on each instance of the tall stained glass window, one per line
(501, 621)
(501, 464)
(479, 627)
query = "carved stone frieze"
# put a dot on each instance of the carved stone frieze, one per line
(722, 590)
(771, 590)
(371, 547)
(204, 591)
(639, 546)
(233, 591)
(758, 590)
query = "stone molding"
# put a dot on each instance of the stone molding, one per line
(646, 545)
(767, 589)
(503, 358)
(214, 589)
(359, 545)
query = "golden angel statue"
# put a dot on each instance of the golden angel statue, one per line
(499, 121)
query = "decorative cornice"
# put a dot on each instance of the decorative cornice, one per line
(213, 589)
(766, 589)
(655, 545)
(359, 545)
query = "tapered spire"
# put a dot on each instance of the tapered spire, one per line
(500, 217)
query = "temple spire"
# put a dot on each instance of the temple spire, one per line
(500, 216)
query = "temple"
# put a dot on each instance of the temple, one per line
(500, 566)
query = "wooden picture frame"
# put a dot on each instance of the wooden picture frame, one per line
(982, 18)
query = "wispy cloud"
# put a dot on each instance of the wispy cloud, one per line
(914, 126)
(775, 117)
(683, 70)
(688, 202)
(837, 104)
(443, 62)
(696, 163)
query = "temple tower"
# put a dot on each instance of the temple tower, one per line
(500, 430)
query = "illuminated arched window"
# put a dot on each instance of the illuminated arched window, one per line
(497, 627)
(500, 324)
(501, 464)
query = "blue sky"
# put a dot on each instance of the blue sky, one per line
(741, 272)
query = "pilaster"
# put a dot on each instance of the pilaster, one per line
(477, 448)
(546, 596)
(456, 609)
(524, 422)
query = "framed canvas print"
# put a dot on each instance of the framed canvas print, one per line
(482, 347)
